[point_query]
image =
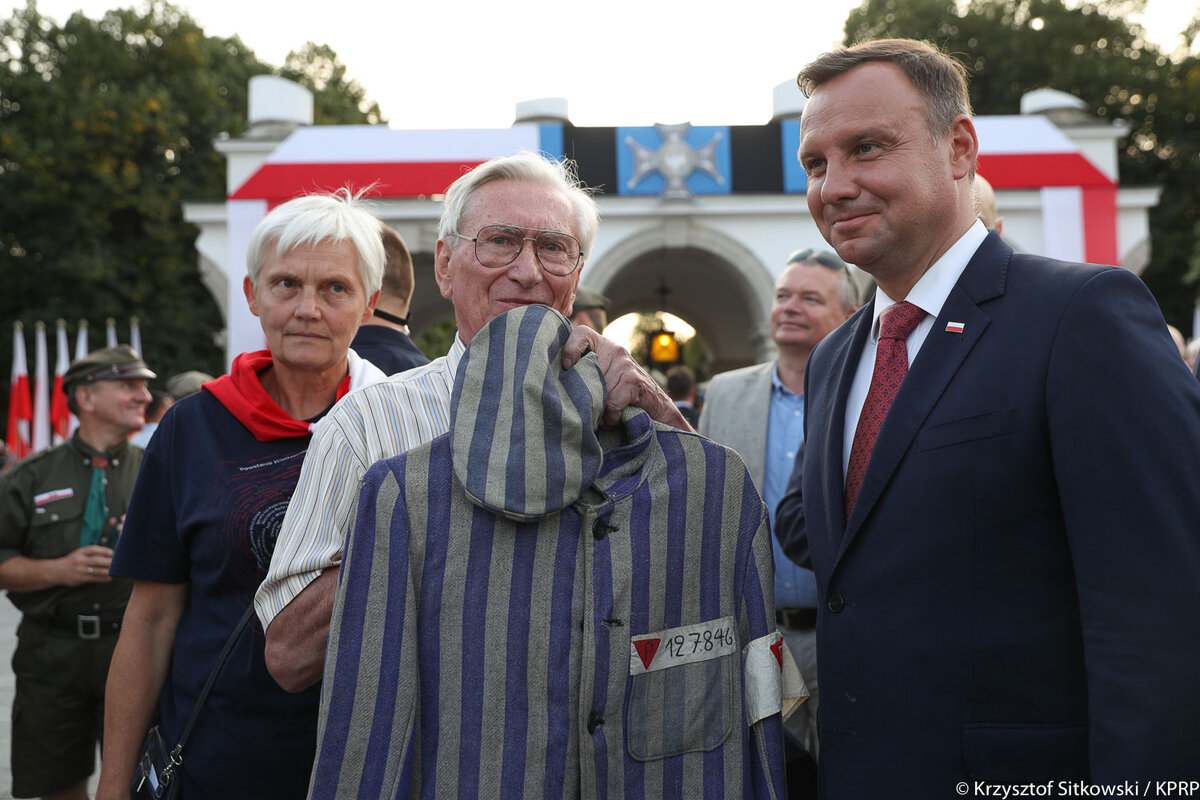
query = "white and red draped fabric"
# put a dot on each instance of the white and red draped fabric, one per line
(41, 390)
(390, 163)
(1078, 200)
(60, 416)
(19, 435)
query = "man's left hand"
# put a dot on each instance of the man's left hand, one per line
(627, 383)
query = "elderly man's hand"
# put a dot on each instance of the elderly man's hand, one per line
(628, 384)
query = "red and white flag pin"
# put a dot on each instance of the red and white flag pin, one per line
(954, 327)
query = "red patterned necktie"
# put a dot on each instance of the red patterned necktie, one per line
(891, 365)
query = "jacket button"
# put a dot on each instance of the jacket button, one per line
(835, 604)
(601, 529)
(594, 722)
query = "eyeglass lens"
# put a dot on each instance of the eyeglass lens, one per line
(499, 245)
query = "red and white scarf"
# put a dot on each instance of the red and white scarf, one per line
(242, 393)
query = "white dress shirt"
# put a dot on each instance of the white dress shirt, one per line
(929, 294)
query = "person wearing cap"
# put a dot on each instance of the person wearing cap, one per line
(182, 384)
(590, 308)
(159, 403)
(61, 512)
(759, 412)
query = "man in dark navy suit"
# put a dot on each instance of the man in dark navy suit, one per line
(997, 487)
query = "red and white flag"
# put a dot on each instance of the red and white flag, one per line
(60, 415)
(41, 390)
(82, 348)
(81, 340)
(20, 408)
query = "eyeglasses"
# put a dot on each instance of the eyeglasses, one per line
(499, 245)
(822, 257)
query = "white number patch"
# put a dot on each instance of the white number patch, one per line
(685, 645)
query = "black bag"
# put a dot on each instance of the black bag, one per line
(155, 777)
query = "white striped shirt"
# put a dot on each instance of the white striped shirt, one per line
(376, 422)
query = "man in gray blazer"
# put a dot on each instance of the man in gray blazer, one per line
(759, 412)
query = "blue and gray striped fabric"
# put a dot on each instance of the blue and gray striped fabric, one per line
(500, 583)
(533, 427)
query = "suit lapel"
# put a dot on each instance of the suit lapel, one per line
(758, 406)
(837, 386)
(941, 356)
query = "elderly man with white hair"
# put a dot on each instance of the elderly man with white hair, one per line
(514, 231)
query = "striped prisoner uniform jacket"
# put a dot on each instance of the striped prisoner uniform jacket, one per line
(529, 608)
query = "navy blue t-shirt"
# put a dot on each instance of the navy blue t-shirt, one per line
(206, 510)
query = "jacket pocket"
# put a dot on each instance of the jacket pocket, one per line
(1025, 752)
(687, 707)
(54, 527)
(967, 429)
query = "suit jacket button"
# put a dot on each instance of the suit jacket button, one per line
(835, 604)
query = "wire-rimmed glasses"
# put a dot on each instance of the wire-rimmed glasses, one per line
(499, 245)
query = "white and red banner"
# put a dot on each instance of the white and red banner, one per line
(1079, 201)
(40, 418)
(81, 340)
(61, 418)
(41, 390)
(398, 163)
(20, 405)
(394, 163)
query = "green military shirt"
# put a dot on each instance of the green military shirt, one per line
(42, 500)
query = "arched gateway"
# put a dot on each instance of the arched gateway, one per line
(697, 219)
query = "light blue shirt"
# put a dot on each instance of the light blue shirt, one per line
(795, 587)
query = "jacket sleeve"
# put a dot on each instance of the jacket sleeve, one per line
(1124, 427)
(365, 716)
(790, 526)
(760, 678)
(15, 494)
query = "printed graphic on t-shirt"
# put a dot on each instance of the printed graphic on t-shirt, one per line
(254, 497)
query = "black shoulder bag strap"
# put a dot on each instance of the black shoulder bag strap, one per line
(177, 752)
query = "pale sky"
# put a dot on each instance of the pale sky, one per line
(466, 64)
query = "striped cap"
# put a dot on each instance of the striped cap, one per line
(523, 429)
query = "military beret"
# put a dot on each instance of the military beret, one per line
(107, 364)
(185, 383)
(586, 300)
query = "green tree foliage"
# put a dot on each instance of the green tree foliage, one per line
(695, 355)
(437, 340)
(1090, 51)
(336, 101)
(106, 126)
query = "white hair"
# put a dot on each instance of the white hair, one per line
(310, 220)
(528, 167)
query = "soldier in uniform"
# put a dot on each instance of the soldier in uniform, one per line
(60, 514)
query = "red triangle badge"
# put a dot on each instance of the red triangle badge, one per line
(646, 649)
(777, 651)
